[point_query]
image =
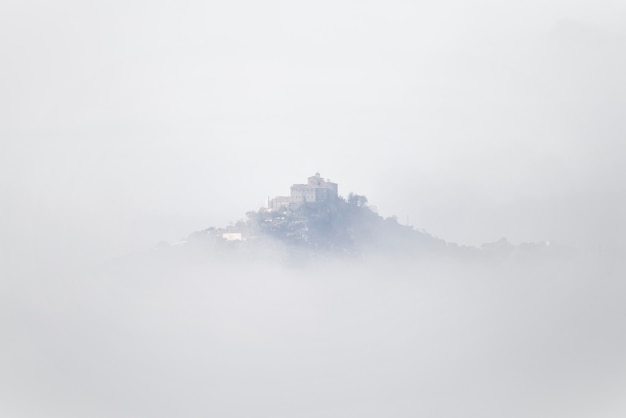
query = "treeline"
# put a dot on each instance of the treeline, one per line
(343, 225)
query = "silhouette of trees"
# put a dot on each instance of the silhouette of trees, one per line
(357, 200)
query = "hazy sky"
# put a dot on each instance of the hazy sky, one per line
(126, 123)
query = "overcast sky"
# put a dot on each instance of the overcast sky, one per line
(126, 123)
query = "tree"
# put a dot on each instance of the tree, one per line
(357, 200)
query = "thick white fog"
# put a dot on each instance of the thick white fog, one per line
(124, 124)
(157, 338)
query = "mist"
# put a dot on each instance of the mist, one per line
(125, 125)
(156, 337)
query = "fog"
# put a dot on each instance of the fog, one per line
(159, 337)
(130, 123)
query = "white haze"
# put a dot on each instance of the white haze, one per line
(155, 338)
(123, 124)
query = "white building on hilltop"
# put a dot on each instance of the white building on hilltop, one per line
(316, 190)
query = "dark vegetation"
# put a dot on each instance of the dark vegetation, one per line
(340, 226)
(346, 227)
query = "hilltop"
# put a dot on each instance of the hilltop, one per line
(314, 219)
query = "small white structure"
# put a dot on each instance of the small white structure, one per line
(232, 236)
